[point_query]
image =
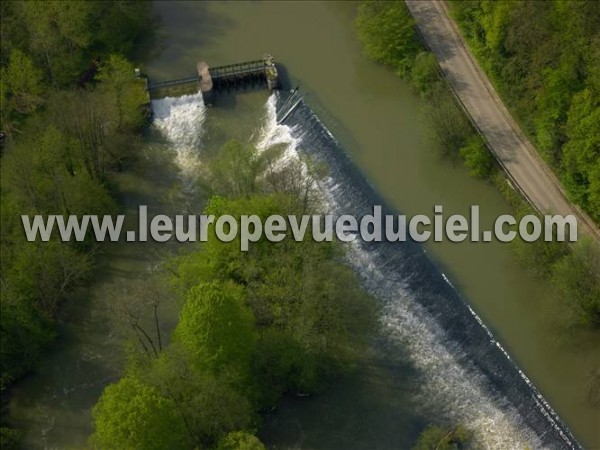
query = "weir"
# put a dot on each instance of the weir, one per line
(211, 80)
(466, 371)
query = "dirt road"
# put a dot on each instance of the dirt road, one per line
(527, 170)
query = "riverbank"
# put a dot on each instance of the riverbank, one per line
(72, 111)
(522, 169)
(51, 406)
(516, 155)
(454, 137)
(350, 94)
(554, 104)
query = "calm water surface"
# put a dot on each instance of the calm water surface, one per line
(377, 118)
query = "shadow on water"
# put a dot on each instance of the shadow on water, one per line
(356, 412)
(53, 405)
(285, 83)
(478, 379)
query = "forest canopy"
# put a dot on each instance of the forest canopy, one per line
(65, 76)
(281, 318)
(544, 57)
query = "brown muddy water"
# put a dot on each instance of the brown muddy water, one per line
(377, 119)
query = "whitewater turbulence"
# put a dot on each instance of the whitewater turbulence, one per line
(180, 120)
(466, 376)
(272, 133)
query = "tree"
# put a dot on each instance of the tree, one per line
(477, 158)
(23, 333)
(296, 179)
(425, 72)
(23, 83)
(544, 59)
(51, 179)
(594, 191)
(120, 26)
(87, 117)
(581, 154)
(240, 440)
(117, 77)
(387, 31)
(311, 314)
(211, 406)
(217, 328)
(10, 438)
(435, 438)
(133, 416)
(577, 279)
(234, 170)
(57, 29)
(448, 126)
(62, 145)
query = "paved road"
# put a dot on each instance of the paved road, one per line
(527, 170)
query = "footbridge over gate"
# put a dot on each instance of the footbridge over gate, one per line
(211, 80)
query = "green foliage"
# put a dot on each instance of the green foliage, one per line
(117, 76)
(387, 31)
(54, 30)
(544, 58)
(53, 179)
(36, 276)
(477, 158)
(573, 271)
(10, 438)
(62, 37)
(448, 127)
(435, 438)
(539, 257)
(22, 89)
(305, 303)
(379, 25)
(254, 325)
(56, 44)
(210, 404)
(217, 328)
(63, 142)
(593, 199)
(120, 27)
(44, 272)
(24, 333)
(425, 73)
(577, 278)
(581, 153)
(132, 415)
(240, 440)
(234, 170)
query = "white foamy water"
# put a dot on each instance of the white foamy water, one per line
(272, 133)
(449, 389)
(180, 119)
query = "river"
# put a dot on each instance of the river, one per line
(376, 119)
